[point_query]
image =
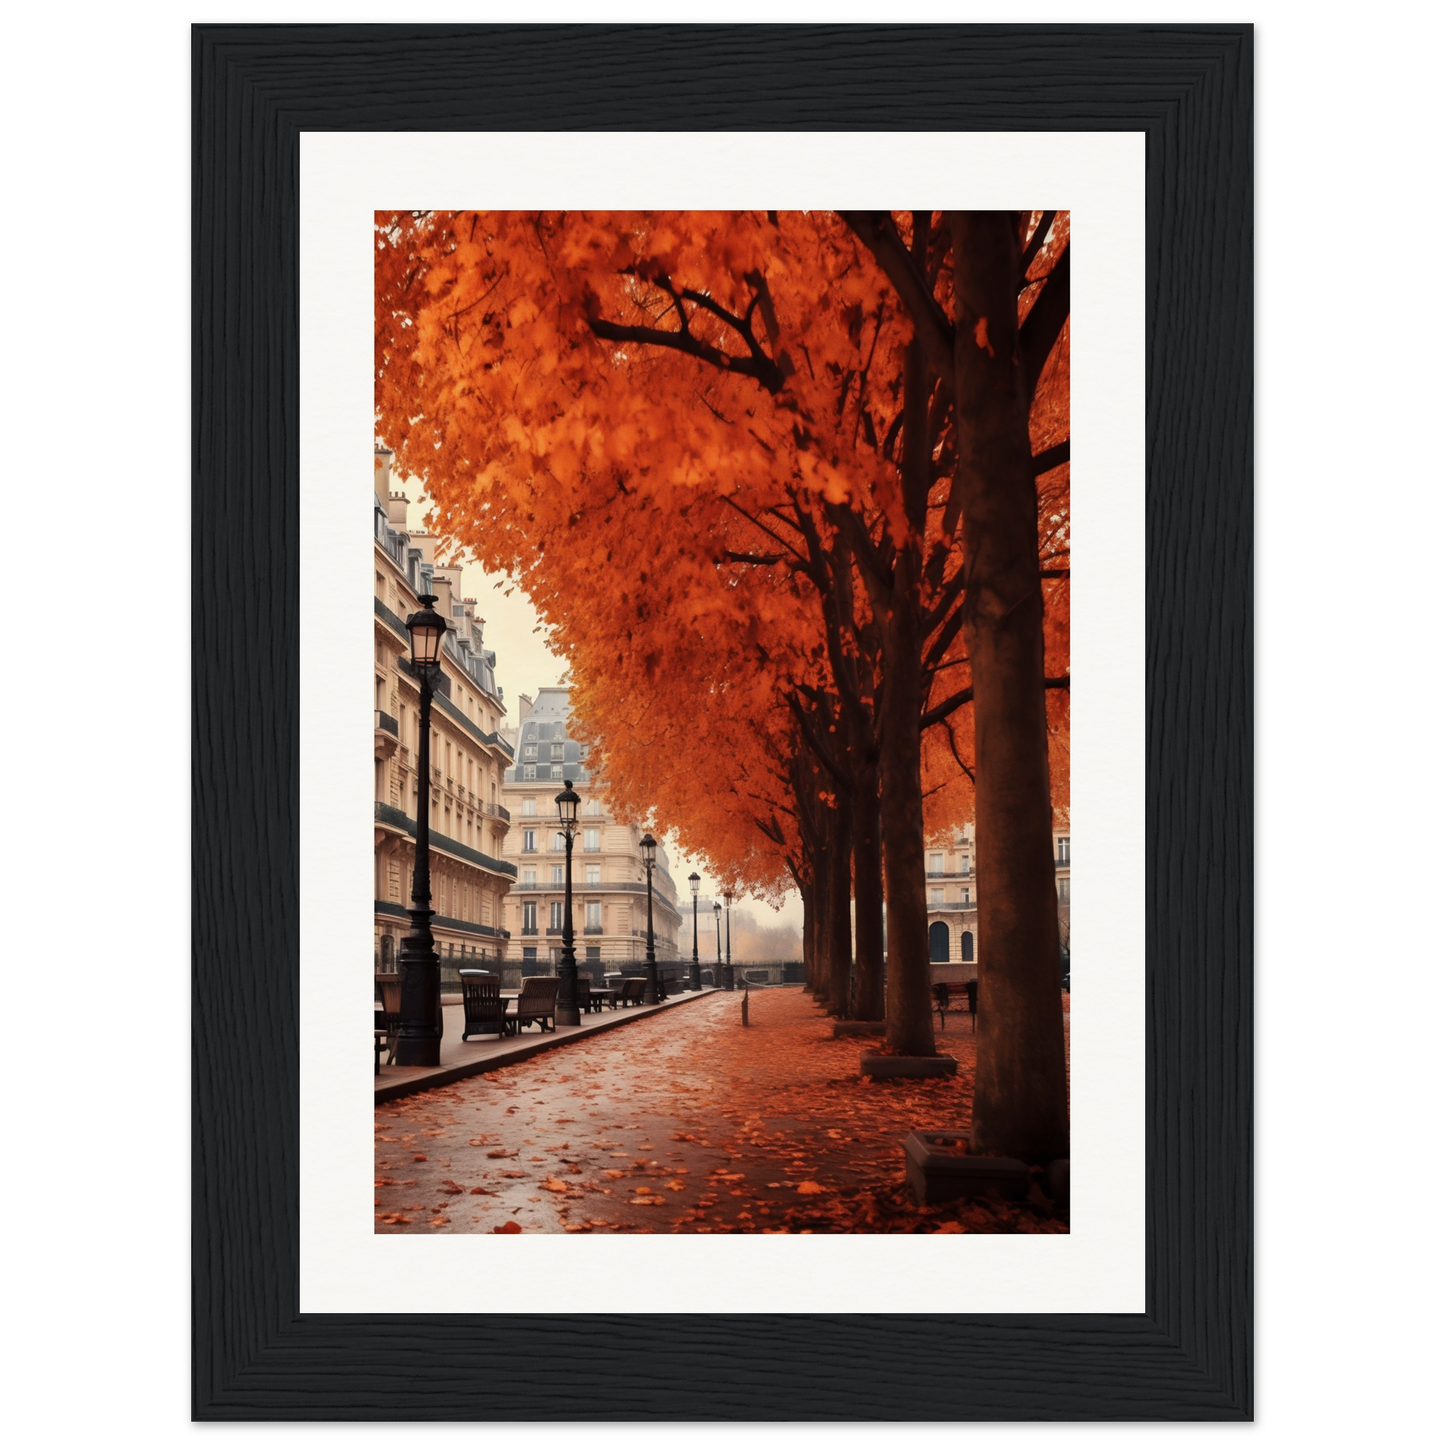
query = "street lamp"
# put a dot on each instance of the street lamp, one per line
(717, 979)
(649, 856)
(728, 896)
(694, 978)
(567, 1013)
(419, 1039)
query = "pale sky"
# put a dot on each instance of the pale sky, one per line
(526, 663)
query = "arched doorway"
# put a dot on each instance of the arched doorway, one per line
(938, 943)
(967, 942)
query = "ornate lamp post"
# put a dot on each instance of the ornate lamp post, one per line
(728, 896)
(649, 856)
(567, 1012)
(419, 1040)
(717, 980)
(694, 978)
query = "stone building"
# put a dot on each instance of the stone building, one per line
(952, 883)
(609, 883)
(468, 823)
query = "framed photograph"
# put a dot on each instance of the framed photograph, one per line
(775, 595)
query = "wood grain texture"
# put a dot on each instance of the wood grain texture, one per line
(254, 90)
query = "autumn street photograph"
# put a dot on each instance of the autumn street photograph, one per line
(722, 668)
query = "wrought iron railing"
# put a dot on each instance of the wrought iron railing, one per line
(394, 817)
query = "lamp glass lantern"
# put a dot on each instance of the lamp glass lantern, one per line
(568, 801)
(426, 628)
(692, 882)
(649, 849)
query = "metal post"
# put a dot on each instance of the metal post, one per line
(567, 1011)
(717, 981)
(419, 1039)
(694, 980)
(728, 969)
(649, 993)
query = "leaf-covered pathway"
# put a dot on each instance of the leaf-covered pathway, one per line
(686, 1122)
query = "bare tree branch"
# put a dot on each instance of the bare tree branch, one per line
(876, 231)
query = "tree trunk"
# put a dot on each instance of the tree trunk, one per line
(910, 1000)
(1020, 1092)
(810, 927)
(867, 896)
(839, 895)
(909, 1010)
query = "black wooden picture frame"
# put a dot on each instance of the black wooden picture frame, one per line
(1189, 1355)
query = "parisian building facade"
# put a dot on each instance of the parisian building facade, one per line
(952, 882)
(609, 882)
(470, 877)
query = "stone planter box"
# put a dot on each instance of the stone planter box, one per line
(850, 1028)
(939, 1169)
(898, 1066)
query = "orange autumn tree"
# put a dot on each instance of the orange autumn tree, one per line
(839, 390)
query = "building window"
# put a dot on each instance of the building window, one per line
(967, 899)
(594, 916)
(555, 916)
(557, 874)
(529, 918)
(529, 840)
(557, 752)
(1063, 890)
(559, 842)
(529, 807)
(1063, 850)
(963, 865)
(592, 840)
(556, 772)
(529, 877)
(594, 873)
(935, 896)
(529, 955)
(529, 773)
(530, 751)
(938, 942)
(594, 807)
(967, 946)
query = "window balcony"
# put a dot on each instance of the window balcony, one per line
(496, 810)
(385, 723)
(593, 929)
(554, 933)
(529, 932)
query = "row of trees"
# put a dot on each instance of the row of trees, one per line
(792, 490)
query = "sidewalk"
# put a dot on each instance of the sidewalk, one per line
(481, 1054)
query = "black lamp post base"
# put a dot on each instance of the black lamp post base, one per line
(569, 1016)
(694, 978)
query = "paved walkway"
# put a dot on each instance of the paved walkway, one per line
(686, 1122)
(480, 1055)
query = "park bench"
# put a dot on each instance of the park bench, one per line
(536, 1004)
(632, 991)
(945, 993)
(589, 999)
(482, 1003)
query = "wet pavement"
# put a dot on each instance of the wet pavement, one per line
(687, 1121)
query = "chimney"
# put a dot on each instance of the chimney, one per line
(524, 706)
(382, 478)
(396, 510)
